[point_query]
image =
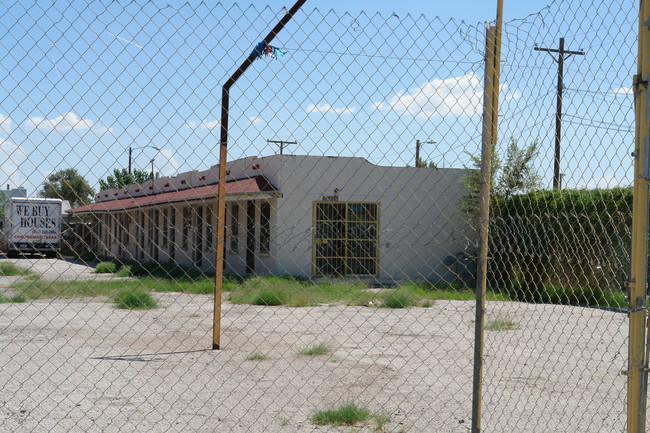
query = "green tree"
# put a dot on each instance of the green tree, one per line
(121, 177)
(426, 164)
(514, 175)
(518, 175)
(470, 202)
(67, 184)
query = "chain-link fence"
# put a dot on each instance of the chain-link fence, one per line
(351, 219)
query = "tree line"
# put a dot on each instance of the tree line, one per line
(68, 184)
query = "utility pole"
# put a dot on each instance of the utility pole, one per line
(281, 143)
(417, 150)
(130, 157)
(557, 182)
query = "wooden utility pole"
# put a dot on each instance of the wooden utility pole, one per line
(418, 144)
(281, 143)
(557, 181)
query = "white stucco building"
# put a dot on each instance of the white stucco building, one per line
(312, 216)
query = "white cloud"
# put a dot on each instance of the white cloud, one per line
(256, 120)
(11, 157)
(510, 96)
(456, 96)
(327, 108)
(66, 122)
(100, 129)
(204, 124)
(623, 91)
(166, 163)
(5, 124)
(607, 181)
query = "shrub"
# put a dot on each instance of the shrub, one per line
(105, 268)
(165, 270)
(269, 297)
(134, 300)
(576, 238)
(399, 299)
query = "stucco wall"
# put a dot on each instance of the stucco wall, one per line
(420, 220)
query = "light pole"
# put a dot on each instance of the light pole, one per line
(152, 160)
(141, 147)
(417, 150)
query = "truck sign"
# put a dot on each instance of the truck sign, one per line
(32, 225)
(39, 222)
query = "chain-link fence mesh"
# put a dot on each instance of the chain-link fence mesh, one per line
(562, 252)
(351, 239)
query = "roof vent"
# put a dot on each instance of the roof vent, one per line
(255, 167)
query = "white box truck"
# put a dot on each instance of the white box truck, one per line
(32, 225)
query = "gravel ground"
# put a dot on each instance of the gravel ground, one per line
(83, 366)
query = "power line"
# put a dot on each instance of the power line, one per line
(413, 59)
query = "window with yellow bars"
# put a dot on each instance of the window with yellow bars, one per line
(346, 239)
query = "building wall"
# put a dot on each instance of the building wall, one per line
(420, 220)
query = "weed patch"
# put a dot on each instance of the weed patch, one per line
(12, 299)
(291, 291)
(315, 350)
(347, 414)
(8, 269)
(500, 324)
(257, 356)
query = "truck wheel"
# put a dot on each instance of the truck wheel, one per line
(50, 254)
(12, 254)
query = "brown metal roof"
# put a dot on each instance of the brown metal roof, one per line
(248, 186)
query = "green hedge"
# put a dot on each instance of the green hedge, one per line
(570, 238)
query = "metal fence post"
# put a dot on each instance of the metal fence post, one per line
(489, 137)
(637, 375)
(223, 155)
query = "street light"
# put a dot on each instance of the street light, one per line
(417, 150)
(152, 160)
(140, 147)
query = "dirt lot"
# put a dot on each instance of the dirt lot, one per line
(83, 366)
(50, 269)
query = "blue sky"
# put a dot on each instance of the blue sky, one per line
(81, 82)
